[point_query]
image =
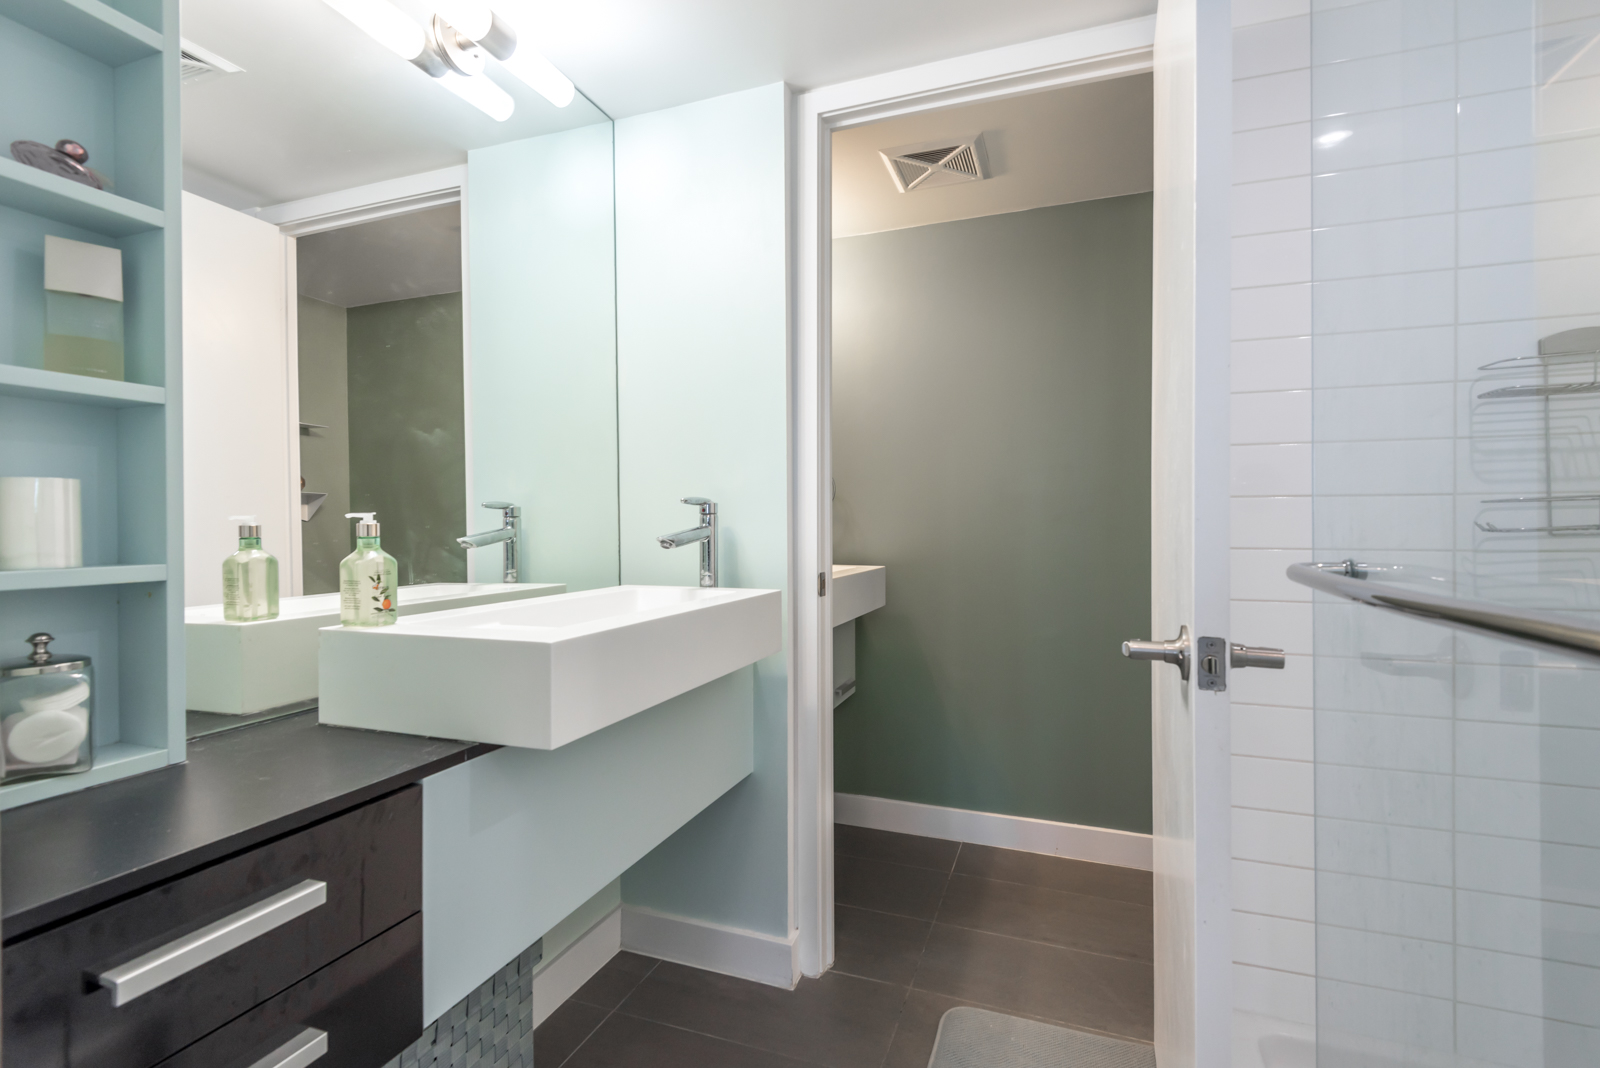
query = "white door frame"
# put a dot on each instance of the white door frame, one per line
(1096, 54)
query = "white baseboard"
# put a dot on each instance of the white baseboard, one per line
(751, 955)
(558, 980)
(1098, 844)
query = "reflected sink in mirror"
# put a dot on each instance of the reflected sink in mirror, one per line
(544, 673)
(241, 669)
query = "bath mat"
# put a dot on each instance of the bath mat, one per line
(978, 1038)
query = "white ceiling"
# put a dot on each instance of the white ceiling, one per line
(1082, 142)
(403, 256)
(322, 107)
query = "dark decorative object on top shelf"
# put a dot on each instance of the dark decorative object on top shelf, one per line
(68, 159)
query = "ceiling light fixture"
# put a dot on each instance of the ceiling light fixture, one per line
(489, 29)
(448, 57)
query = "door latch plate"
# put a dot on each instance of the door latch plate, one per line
(1211, 659)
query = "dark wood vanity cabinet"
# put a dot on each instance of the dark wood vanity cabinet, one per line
(317, 931)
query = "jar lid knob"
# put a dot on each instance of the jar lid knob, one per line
(41, 648)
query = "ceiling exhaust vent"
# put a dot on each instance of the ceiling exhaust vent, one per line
(199, 64)
(936, 163)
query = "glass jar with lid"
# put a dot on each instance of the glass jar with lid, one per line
(46, 713)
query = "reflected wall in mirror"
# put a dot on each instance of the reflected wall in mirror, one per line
(399, 305)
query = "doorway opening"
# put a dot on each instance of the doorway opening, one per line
(989, 412)
(381, 391)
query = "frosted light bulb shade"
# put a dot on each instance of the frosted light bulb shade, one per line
(482, 94)
(541, 76)
(472, 18)
(386, 24)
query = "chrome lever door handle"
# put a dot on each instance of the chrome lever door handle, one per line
(309, 1045)
(1256, 656)
(1173, 652)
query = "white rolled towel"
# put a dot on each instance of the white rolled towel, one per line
(46, 737)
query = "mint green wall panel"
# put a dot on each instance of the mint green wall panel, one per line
(991, 446)
(542, 366)
(702, 375)
(515, 841)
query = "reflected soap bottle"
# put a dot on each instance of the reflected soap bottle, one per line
(249, 577)
(367, 579)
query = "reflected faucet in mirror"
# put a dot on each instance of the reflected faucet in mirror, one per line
(508, 533)
(705, 534)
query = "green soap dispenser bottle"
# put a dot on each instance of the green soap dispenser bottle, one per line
(249, 577)
(368, 579)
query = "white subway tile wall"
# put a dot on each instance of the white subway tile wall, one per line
(1416, 822)
(1274, 878)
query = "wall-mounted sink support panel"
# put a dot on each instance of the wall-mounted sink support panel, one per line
(243, 668)
(543, 673)
(857, 589)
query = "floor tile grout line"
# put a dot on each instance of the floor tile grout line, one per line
(715, 1038)
(1056, 890)
(1046, 945)
(609, 1012)
(920, 954)
(983, 930)
(898, 864)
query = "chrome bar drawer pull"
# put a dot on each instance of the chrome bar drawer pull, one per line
(180, 956)
(309, 1045)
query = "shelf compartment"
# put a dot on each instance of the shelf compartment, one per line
(76, 389)
(111, 762)
(88, 26)
(32, 190)
(60, 578)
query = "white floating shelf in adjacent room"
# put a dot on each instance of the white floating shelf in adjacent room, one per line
(309, 504)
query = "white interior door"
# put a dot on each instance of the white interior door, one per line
(1189, 537)
(241, 452)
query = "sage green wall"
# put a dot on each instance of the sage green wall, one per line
(991, 435)
(407, 442)
(324, 453)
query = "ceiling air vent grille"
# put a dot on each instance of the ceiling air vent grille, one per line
(936, 163)
(196, 63)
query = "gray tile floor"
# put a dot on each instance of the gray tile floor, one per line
(923, 925)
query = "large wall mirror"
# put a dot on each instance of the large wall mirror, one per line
(399, 300)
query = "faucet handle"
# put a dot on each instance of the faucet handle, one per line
(705, 504)
(501, 505)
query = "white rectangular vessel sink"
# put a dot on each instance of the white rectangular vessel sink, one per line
(857, 590)
(241, 668)
(540, 674)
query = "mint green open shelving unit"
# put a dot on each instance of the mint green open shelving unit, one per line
(105, 75)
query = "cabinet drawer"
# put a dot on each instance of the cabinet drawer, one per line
(367, 1005)
(155, 952)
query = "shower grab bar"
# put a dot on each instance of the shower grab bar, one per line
(1548, 630)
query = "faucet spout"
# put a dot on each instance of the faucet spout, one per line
(705, 534)
(684, 537)
(509, 533)
(488, 537)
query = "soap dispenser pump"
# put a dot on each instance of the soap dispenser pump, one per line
(249, 577)
(368, 579)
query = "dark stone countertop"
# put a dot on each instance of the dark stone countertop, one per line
(69, 854)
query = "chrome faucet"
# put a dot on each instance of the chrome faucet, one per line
(705, 534)
(509, 532)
